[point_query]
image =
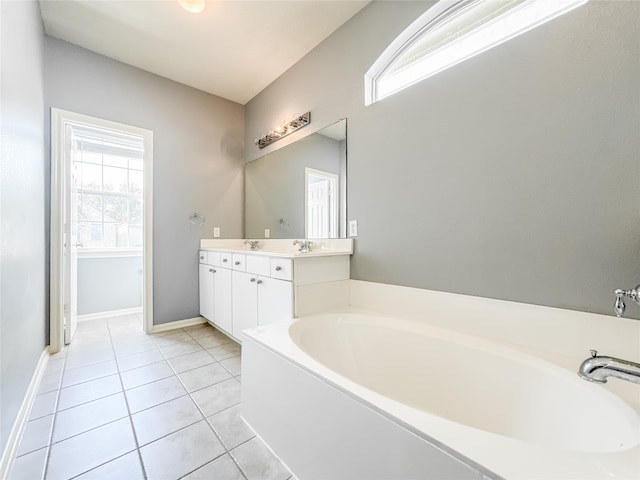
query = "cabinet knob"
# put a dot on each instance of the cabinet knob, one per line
(214, 270)
(252, 279)
(237, 262)
(259, 282)
(201, 257)
(211, 270)
(224, 260)
(278, 268)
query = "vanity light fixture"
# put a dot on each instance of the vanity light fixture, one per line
(283, 130)
(193, 6)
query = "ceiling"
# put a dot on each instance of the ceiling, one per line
(234, 49)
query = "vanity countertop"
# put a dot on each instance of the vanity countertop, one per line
(283, 248)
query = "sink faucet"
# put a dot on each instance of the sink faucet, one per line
(253, 244)
(633, 294)
(305, 245)
(597, 369)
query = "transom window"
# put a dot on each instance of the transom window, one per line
(450, 32)
(108, 169)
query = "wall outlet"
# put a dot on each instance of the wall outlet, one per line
(353, 228)
(216, 232)
(267, 233)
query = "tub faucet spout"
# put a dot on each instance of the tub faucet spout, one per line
(597, 369)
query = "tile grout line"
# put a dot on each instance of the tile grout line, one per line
(126, 401)
(224, 446)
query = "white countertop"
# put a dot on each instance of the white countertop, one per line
(281, 247)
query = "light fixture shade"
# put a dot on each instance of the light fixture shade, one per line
(193, 6)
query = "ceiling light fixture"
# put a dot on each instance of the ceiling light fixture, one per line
(283, 130)
(193, 6)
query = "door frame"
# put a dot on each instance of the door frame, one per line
(58, 120)
(333, 180)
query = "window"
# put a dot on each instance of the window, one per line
(109, 185)
(450, 32)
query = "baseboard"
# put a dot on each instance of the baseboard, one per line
(20, 423)
(109, 314)
(187, 322)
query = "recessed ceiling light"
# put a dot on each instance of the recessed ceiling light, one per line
(193, 6)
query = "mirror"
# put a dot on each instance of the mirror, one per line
(299, 191)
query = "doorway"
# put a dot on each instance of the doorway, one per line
(101, 201)
(321, 203)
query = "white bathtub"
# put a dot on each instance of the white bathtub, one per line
(479, 408)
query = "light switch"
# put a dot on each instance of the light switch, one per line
(216, 232)
(353, 228)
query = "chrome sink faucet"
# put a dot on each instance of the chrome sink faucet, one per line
(305, 245)
(633, 294)
(597, 369)
(253, 244)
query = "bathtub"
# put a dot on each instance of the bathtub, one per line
(362, 396)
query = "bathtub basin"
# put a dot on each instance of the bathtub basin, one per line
(469, 381)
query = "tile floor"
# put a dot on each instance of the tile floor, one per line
(118, 404)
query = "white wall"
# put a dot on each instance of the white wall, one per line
(198, 142)
(513, 175)
(22, 222)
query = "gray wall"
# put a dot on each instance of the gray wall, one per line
(109, 283)
(274, 185)
(514, 175)
(22, 185)
(197, 165)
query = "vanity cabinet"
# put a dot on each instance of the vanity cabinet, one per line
(240, 290)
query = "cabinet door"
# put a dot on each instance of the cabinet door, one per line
(222, 299)
(245, 302)
(206, 291)
(275, 300)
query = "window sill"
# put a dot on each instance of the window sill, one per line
(109, 252)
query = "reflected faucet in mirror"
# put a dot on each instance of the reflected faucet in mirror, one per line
(305, 245)
(619, 306)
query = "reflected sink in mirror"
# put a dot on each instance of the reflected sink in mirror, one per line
(299, 191)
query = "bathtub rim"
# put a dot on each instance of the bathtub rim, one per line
(472, 446)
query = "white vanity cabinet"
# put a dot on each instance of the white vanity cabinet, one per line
(243, 289)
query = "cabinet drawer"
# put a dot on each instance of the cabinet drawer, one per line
(203, 256)
(282, 268)
(239, 262)
(226, 260)
(258, 264)
(214, 258)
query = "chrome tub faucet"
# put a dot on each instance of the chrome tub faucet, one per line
(596, 369)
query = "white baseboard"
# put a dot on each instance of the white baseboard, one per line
(20, 423)
(187, 322)
(109, 314)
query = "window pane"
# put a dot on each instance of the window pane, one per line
(135, 210)
(115, 208)
(115, 161)
(90, 157)
(135, 181)
(109, 239)
(135, 163)
(91, 176)
(84, 234)
(90, 208)
(96, 232)
(135, 235)
(115, 179)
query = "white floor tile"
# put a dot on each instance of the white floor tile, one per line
(182, 348)
(91, 372)
(126, 467)
(227, 350)
(191, 360)
(37, 435)
(164, 419)
(30, 466)
(182, 452)
(258, 463)
(218, 397)
(88, 416)
(231, 428)
(88, 391)
(204, 376)
(233, 364)
(44, 404)
(88, 450)
(155, 393)
(137, 360)
(147, 374)
(223, 468)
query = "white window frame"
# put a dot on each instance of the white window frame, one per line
(419, 69)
